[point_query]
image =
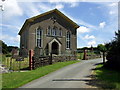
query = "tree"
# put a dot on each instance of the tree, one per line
(113, 55)
(103, 49)
(4, 47)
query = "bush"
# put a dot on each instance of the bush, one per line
(8, 55)
(113, 55)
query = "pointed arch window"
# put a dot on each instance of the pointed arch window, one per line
(49, 30)
(54, 31)
(39, 37)
(60, 32)
(68, 40)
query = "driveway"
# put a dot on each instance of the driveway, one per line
(72, 76)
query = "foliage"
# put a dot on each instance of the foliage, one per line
(113, 55)
(108, 79)
(102, 48)
(16, 79)
(10, 48)
(6, 49)
(8, 55)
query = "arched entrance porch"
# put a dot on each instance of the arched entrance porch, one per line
(54, 47)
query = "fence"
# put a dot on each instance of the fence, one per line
(88, 54)
(14, 65)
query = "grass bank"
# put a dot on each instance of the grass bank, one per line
(109, 79)
(16, 79)
(13, 64)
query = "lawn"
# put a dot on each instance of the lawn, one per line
(15, 65)
(80, 56)
(109, 79)
(16, 79)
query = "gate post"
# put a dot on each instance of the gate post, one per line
(85, 55)
(31, 52)
(50, 62)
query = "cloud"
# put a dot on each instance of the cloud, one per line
(91, 43)
(102, 24)
(112, 12)
(11, 8)
(82, 29)
(11, 39)
(59, 6)
(65, 1)
(10, 26)
(86, 24)
(74, 4)
(89, 37)
(113, 4)
(46, 7)
(11, 29)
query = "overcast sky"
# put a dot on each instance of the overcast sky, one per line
(97, 20)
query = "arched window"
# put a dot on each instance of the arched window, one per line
(39, 37)
(54, 31)
(68, 40)
(60, 32)
(49, 30)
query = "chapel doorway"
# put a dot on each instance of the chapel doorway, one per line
(55, 48)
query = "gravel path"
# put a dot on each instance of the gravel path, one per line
(3, 69)
(72, 76)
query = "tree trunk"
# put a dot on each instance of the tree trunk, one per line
(103, 57)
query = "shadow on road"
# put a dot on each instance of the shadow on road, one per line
(96, 81)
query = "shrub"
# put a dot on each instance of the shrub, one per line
(113, 55)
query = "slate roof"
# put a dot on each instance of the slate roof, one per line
(46, 13)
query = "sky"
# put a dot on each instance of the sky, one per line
(98, 19)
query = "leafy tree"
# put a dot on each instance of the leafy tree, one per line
(3, 47)
(113, 55)
(103, 49)
(11, 47)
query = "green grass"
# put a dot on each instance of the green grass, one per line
(15, 64)
(80, 56)
(16, 79)
(109, 78)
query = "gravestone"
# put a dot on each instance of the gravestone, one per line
(68, 52)
(38, 52)
(15, 53)
(24, 53)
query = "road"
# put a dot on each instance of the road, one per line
(72, 76)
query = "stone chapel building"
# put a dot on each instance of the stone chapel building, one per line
(52, 32)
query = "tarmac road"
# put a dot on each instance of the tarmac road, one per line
(72, 76)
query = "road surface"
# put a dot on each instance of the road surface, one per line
(72, 76)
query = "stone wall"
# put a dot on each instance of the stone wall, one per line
(93, 56)
(47, 60)
(63, 58)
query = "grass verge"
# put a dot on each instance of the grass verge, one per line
(16, 79)
(108, 79)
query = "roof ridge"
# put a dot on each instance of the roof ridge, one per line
(46, 13)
